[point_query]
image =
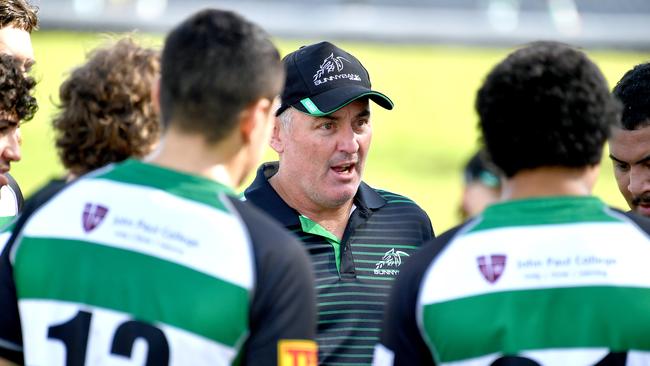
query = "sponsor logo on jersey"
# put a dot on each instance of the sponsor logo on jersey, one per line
(492, 266)
(332, 64)
(297, 353)
(388, 264)
(93, 215)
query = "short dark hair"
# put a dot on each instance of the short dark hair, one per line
(16, 90)
(546, 104)
(633, 90)
(19, 14)
(214, 64)
(106, 113)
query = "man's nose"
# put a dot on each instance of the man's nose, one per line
(12, 152)
(348, 140)
(639, 180)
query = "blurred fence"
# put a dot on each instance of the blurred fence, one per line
(594, 23)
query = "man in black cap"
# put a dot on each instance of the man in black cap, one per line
(358, 237)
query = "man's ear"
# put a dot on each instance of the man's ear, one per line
(277, 137)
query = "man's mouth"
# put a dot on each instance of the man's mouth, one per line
(344, 168)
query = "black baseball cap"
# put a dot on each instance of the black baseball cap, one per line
(322, 78)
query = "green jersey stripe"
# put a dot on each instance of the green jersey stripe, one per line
(334, 312)
(546, 211)
(376, 278)
(106, 274)
(388, 246)
(191, 187)
(565, 322)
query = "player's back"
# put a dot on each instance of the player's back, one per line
(141, 265)
(530, 282)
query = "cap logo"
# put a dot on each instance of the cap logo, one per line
(332, 64)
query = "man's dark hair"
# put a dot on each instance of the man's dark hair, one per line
(18, 14)
(16, 101)
(214, 64)
(546, 104)
(633, 90)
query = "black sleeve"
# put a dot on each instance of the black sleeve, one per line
(13, 185)
(428, 228)
(10, 331)
(400, 333)
(11, 339)
(283, 305)
(641, 221)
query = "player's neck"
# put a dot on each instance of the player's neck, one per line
(550, 181)
(190, 153)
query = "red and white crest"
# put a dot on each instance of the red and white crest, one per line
(492, 266)
(92, 216)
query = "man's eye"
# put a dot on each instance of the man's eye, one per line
(621, 167)
(327, 126)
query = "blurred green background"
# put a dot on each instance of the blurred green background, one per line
(418, 148)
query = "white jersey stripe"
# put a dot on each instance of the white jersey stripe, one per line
(188, 237)
(598, 255)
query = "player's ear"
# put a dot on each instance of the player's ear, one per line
(155, 95)
(255, 118)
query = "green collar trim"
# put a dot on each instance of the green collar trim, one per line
(312, 227)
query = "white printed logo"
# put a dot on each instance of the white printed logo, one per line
(329, 64)
(332, 64)
(392, 258)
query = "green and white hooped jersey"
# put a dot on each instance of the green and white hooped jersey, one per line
(556, 281)
(141, 265)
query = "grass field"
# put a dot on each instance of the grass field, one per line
(418, 148)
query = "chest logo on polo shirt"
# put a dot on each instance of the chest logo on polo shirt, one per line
(491, 266)
(388, 264)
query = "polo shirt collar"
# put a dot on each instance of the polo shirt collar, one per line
(265, 197)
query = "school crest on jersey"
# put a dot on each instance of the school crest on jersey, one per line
(93, 215)
(492, 266)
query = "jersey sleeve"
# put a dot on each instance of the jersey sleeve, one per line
(11, 343)
(10, 332)
(402, 341)
(283, 310)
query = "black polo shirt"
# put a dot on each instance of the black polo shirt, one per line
(353, 275)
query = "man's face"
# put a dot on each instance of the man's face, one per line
(630, 154)
(10, 141)
(325, 156)
(18, 43)
(476, 197)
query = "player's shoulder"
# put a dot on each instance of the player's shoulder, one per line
(266, 233)
(640, 221)
(431, 249)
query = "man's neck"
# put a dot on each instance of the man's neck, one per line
(190, 154)
(550, 181)
(333, 219)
